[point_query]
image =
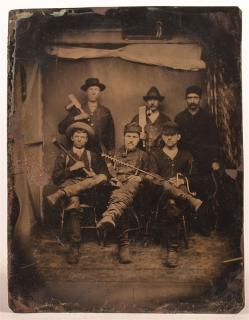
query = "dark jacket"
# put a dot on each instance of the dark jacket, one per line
(199, 136)
(137, 158)
(101, 121)
(167, 168)
(63, 162)
(153, 131)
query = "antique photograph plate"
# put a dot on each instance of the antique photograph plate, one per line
(125, 160)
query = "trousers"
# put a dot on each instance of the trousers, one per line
(121, 199)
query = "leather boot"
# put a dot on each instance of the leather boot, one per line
(106, 223)
(73, 204)
(55, 197)
(172, 257)
(105, 226)
(123, 248)
(73, 255)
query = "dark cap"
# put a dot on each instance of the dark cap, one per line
(170, 128)
(90, 82)
(132, 127)
(194, 89)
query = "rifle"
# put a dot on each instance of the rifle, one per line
(153, 175)
(62, 147)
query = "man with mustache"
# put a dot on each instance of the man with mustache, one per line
(198, 132)
(127, 183)
(154, 118)
(94, 114)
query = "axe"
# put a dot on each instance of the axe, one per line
(75, 102)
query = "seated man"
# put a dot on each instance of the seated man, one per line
(127, 183)
(168, 162)
(74, 177)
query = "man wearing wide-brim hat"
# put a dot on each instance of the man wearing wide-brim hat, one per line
(76, 173)
(152, 119)
(95, 115)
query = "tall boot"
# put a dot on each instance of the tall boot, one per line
(73, 255)
(172, 232)
(123, 247)
(172, 256)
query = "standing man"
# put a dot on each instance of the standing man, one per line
(152, 120)
(74, 178)
(94, 114)
(198, 132)
(127, 183)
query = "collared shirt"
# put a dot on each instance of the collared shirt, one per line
(78, 151)
(153, 130)
(153, 116)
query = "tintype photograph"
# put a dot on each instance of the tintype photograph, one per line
(125, 160)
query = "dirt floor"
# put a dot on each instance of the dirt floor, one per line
(99, 283)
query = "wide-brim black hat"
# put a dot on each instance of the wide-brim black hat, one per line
(79, 126)
(90, 82)
(153, 93)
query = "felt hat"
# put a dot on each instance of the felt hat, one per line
(79, 126)
(90, 82)
(153, 93)
(132, 127)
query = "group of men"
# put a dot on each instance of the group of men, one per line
(161, 158)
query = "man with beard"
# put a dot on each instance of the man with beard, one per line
(198, 132)
(94, 114)
(127, 184)
(153, 119)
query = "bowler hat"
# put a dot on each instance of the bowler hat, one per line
(170, 128)
(132, 127)
(90, 82)
(79, 126)
(153, 93)
(194, 89)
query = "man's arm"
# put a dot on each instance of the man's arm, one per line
(69, 119)
(60, 172)
(99, 165)
(214, 145)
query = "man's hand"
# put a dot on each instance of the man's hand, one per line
(134, 178)
(177, 182)
(115, 183)
(81, 116)
(77, 166)
(215, 166)
(142, 135)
